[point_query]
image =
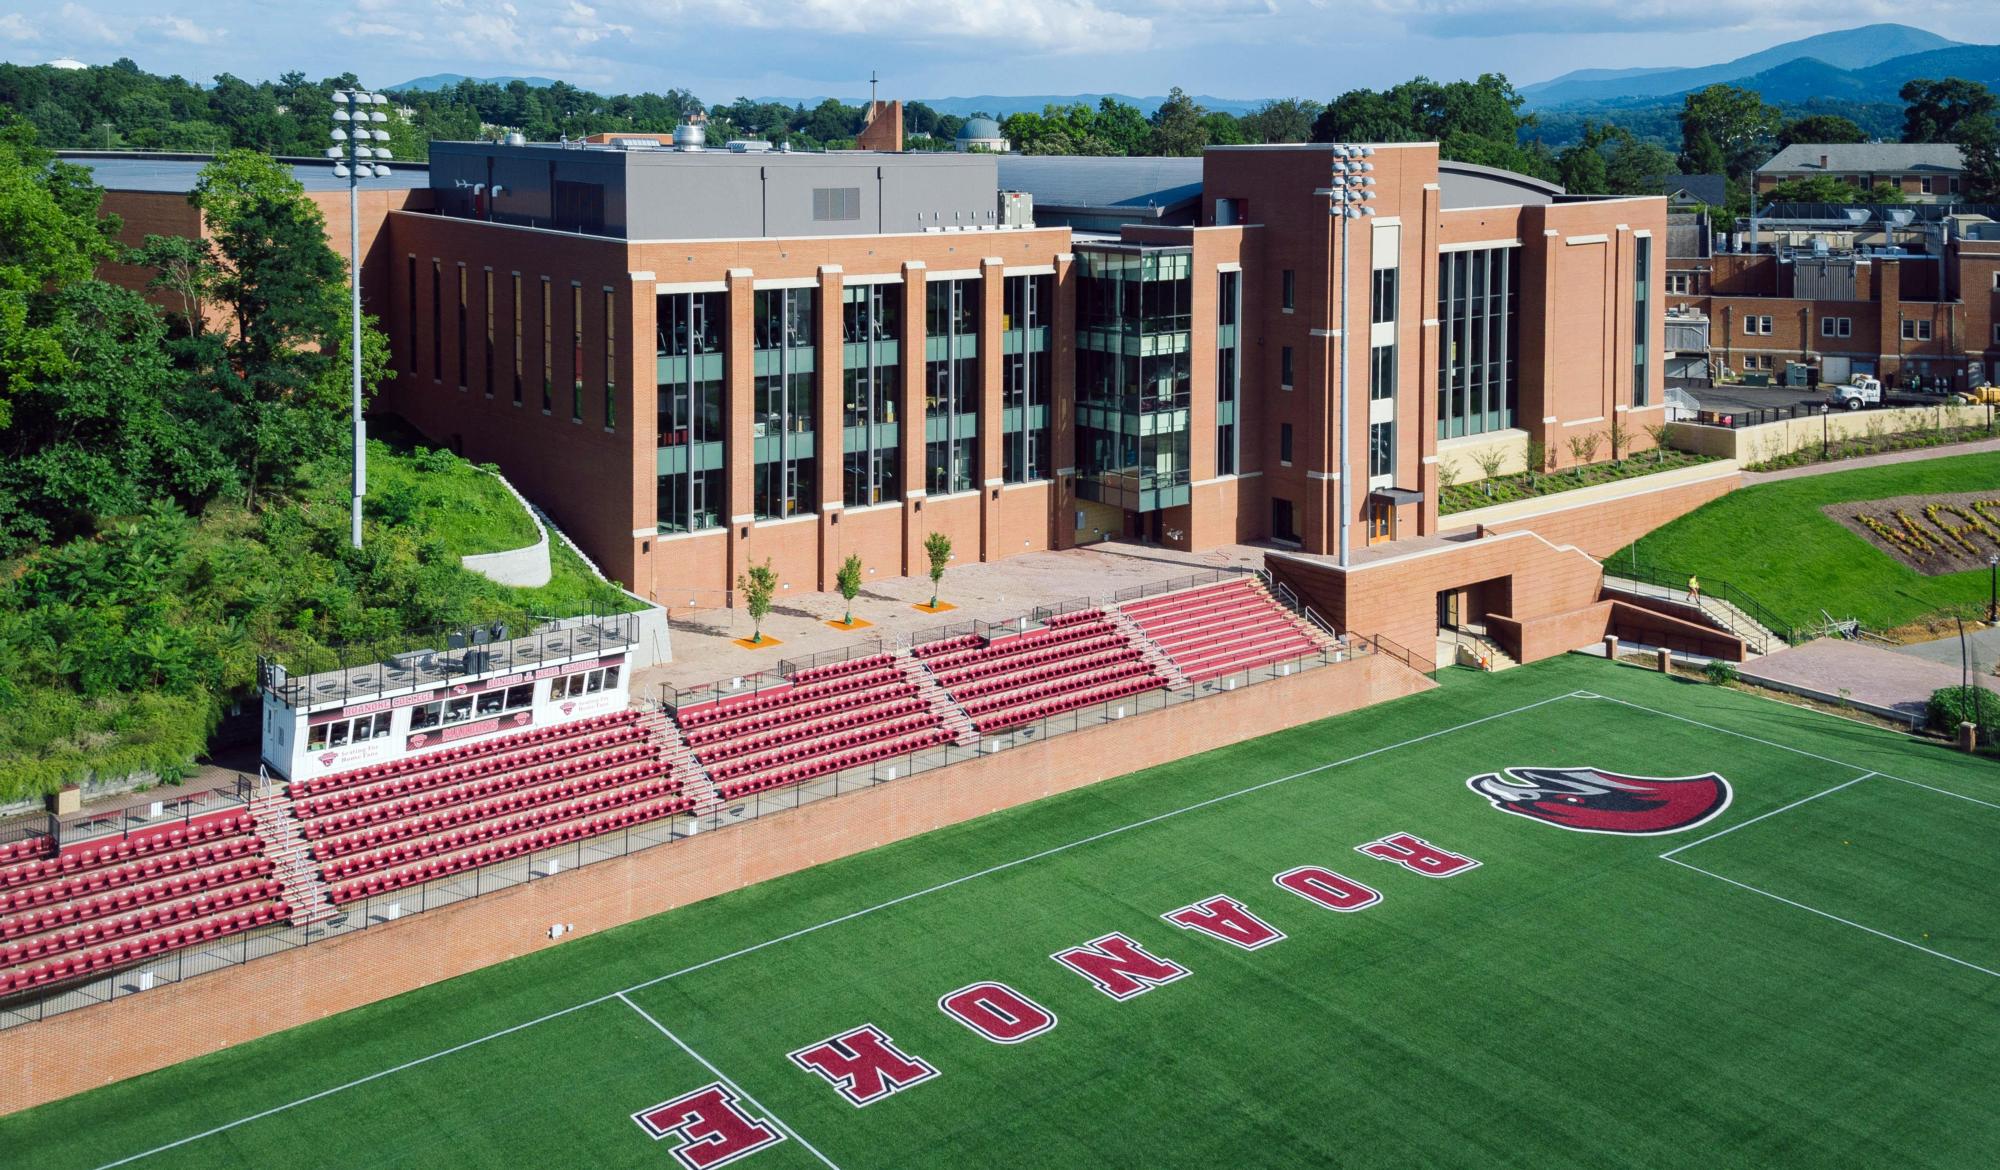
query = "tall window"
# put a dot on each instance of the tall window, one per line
(1285, 443)
(1134, 375)
(692, 484)
(1228, 369)
(1285, 367)
(1288, 289)
(610, 360)
(782, 425)
(1478, 338)
(1382, 450)
(575, 352)
(1024, 378)
(870, 390)
(1382, 292)
(464, 375)
(486, 300)
(548, 347)
(518, 343)
(1642, 300)
(410, 354)
(1382, 372)
(951, 386)
(437, 320)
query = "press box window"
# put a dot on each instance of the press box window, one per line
(584, 682)
(836, 203)
(346, 731)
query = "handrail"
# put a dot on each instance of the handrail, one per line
(1312, 615)
(1672, 579)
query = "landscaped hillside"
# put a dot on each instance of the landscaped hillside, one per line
(1774, 542)
(174, 497)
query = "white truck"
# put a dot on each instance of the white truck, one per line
(1860, 390)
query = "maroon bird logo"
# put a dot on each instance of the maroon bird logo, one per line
(1592, 800)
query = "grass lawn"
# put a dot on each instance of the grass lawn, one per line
(1773, 542)
(442, 495)
(1808, 980)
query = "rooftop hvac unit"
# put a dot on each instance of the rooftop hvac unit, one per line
(1017, 209)
(688, 136)
(749, 146)
(516, 138)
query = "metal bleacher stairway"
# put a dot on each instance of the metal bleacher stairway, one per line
(278, 827)
(956, 721)
(1150, 651)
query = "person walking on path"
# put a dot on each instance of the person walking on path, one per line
(1694, 589)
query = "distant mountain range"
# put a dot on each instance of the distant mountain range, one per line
(1866, 64)
(999, 107)
(448, 80)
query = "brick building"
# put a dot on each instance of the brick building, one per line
(697, 360)
(1925, 172)
(1900, 292)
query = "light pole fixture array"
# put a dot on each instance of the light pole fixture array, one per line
(1350, 195)
(358, 128)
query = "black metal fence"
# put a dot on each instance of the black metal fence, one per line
(789, 667)
(1673, 582)
(363, 671)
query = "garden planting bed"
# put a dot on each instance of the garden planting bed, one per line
(1932, 534)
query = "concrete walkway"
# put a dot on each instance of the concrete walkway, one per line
(1872, 678)
(1982, 446)
(1983, 643)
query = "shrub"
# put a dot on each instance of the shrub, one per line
(1719, 672)
(1951, 706)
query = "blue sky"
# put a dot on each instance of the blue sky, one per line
(723, 49)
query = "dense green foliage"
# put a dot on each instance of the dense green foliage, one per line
(1950, 706)
(1577, 960)
(1471, 121)
(1772, 541)
(174, 495)
(1521, 485)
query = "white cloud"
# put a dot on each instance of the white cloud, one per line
(84, 23)
(15, 27)
(179, 28)
(1047, 25)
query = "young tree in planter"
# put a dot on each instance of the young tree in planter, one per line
(849, 583)
(1583, 449)
(937, 546)
(1621, 440)
(1659, 433)
(1538, 460)
(758, 583)
(1490, 461)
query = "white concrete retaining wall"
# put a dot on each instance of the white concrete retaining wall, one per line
(528, 566)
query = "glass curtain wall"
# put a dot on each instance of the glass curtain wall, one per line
(951, 386)
(1134, 322)
(1479, 338)
(781, 425)
(871, 388)
(1228, 368)
(1024, 369)
(693, 486)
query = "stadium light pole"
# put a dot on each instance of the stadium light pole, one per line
(357, 126)
(1349, 196)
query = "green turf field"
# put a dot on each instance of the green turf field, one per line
(1812, 978)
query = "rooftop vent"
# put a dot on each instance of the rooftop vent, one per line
(688, 136)
(516, 138)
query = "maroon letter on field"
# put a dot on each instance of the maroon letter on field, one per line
(997, 1012)
(713, 1130)
(1225, 918)
(864, 1064)
(1328, 888)
(1119, 967)
(1418, 855)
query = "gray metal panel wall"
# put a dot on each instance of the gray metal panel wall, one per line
(788, 199)
(695, 197)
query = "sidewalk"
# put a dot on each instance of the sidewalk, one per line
(1982, 446)
(1872, 678)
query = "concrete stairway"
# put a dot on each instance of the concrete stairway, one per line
(278, 827)
(1299, 619)
(1149, 650)
(1757, 640)
(955, 720)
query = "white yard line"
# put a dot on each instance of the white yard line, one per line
(1835, 917)
(1787, 747)
(735, 1088)
(816, 927)
(1669, 854)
